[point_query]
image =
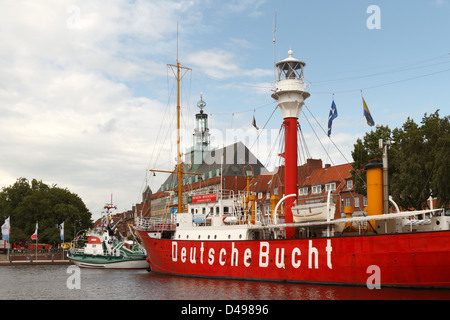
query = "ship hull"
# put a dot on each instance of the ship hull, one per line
(108, 262)
(401, 260)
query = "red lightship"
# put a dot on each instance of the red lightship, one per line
(392, 248)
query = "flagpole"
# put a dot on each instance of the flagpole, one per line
(63, 237)
(36, 241)
(9, 244)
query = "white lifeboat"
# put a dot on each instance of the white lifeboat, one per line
(230, 220)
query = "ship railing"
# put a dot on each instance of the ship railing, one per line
(221, 193)
(156, 223)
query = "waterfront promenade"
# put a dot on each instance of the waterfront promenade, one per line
(29, 258)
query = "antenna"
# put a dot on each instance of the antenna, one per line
(274, 40)
(177, 41)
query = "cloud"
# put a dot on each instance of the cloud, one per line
(439, 3)
(245, 6)
(68, 113)
(220, 64)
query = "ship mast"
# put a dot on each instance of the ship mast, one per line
(179, 174)
(290, 93)
(179, 169)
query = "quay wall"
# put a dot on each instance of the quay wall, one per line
(28, 257)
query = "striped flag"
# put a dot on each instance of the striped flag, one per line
(34, 235)
(367, 114)
(6, 229)
(61, 231)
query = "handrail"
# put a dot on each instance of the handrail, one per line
(278, 204)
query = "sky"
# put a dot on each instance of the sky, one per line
(87, 99)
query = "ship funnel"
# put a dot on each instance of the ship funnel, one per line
(374, 189)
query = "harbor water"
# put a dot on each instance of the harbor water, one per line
(68, 282)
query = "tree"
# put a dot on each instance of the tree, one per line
(27, 203)
(419, 162)
(365, 151)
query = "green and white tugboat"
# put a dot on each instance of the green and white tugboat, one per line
(104, 250)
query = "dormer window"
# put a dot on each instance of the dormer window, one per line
(303, 191)
(349, 184)
(317, 189)
(330, 186)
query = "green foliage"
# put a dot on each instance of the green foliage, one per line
(419, 162)
(27, 203)
(365, 151)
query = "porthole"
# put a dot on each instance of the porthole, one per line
(199, 236)
(215, 236)
(187, 237)
(229, 236)
(240, 236)
(209, 236)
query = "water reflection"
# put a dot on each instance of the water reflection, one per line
(50, 282)
(211, 289)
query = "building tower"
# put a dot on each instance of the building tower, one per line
(290, 93)
(201, 137)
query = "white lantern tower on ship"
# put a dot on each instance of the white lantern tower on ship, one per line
(291, 94)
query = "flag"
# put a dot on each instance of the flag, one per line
(254, 122)
(367, 114)
(333, 115)
(6, 229)
(34, 235)
(61, 231)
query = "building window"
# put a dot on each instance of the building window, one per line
(365, 201)
(316, 189)
(330, 186)
(260, 195)
(303, 191)
(349, 184)
(357, 202)
(347, 202)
